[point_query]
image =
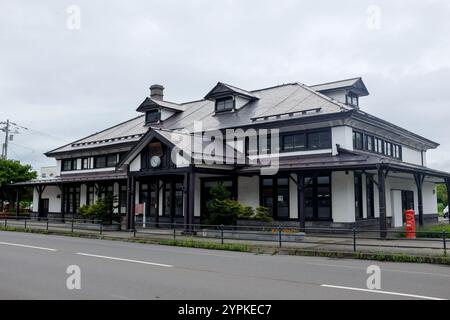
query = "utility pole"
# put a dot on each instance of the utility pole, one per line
(9, 128)
(5, 145)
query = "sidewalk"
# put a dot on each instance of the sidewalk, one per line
(365, 243)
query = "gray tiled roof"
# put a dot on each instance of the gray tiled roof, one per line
(355, 83)
(293, 97)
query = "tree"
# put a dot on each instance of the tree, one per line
(12, 171)
(442, 194)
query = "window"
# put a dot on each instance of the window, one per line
(370, 143)
(388, 149)
(358, 196)
(294, 142)
(318, 198)
(379, 145)
(306, 141)
(85, 164)
(106, 161)
(90, 195)
(319, 140)
(152, 116)
(225, 104)
(275, 197)
(100, 162)
(357, 140)
(111, 160)
(352, 99)
(71, 199)
(69, 165)
(123, 199)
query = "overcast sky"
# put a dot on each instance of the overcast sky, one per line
(64, 83)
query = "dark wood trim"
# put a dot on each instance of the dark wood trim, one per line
(419, 179)
(382, 201)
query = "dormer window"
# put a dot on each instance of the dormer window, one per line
(152, 116)
(352, 100)
(225, 104)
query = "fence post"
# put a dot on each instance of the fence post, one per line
(101, 227)
(6, 222)
(46, 228)
(279, 236)
(354, 239)
(72, 226)
(25, 223)
(444, 238)
(174, 232)
(221, 233)
(134, 233)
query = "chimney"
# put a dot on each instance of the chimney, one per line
(157, 92)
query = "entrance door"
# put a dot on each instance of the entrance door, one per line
(407, 202)
(45, 204)
(148, 196)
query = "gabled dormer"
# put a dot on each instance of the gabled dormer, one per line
(156, 109)
(345, 91)
(228, 98)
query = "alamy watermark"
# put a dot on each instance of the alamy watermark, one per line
(252, 147)
(374, 280)
(73, 21)
(73, 281)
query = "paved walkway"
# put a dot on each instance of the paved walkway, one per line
(366, 242)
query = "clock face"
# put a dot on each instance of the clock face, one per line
(155, 161)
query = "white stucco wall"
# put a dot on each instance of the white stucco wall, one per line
(412, 156)
(51, 193)
(343, 196)
(293, 197)
(135, 165)
(248, 191)
(342, 135)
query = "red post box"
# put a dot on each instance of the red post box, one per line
(410, 224)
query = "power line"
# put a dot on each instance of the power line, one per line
(10, 129)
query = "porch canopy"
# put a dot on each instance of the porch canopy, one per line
(348, 160)
(64, 180)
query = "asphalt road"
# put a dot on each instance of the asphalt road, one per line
(34, 267)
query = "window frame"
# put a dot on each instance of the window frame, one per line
(156, 118)
(224, 100)
(307, 142)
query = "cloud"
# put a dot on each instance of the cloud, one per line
(68, 84)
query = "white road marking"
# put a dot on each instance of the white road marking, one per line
(26, 246)
(125, 260)
(382, 269)
(382, 292)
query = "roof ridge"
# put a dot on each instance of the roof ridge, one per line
(336, 81)
(339, 104)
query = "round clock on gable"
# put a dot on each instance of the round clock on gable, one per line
(155, 161)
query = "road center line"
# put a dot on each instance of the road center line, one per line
(26, 246)
(382, 292)
(125, 260)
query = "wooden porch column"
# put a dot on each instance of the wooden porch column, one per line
(131, 185)
(158, 189)
(17, 201)
(40, 189)
(186, 200)
(191, 202)
(382, 201)
(301, 201)
(419, 178)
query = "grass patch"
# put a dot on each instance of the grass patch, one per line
(190, 243)
(434, 232)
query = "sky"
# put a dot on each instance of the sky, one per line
(72, 68)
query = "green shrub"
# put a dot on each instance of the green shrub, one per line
(103, 210)
(441, 208)
(262, 214)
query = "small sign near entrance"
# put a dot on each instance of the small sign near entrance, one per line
(139, 209)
